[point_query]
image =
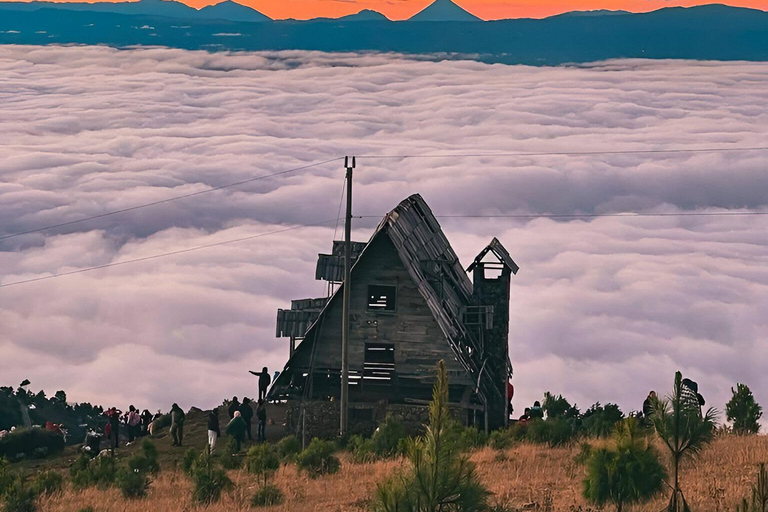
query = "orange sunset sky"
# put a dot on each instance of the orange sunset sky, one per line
(486, 9)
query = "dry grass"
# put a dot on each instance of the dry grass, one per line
(526, 474)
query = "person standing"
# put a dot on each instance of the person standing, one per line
(264, 381)
(177, 425)
(146, 419)
(113, 416)
(234, 406)
(261, 415)
(236, 429)
(648, 407)
(689, 395)
(213, 430)
(246, 411)
(133, 423)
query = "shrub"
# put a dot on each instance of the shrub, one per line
(629, 473)
(585, 451)
(146, 461)
(189, 460)
(600, 421)
(556, 431)
(133, 483)
(386, 439)
(743, 411)
(440, 477)
(318, 459)
(36, 442)
(262, 461)
(288, 447)
(471, 438)
(208, 481)
(228, 458)
(100, 472)
(47, 483)
(7, 477)
(503, 438)
(558, 407)
(20, 497)
(86, 509)
(267, 495)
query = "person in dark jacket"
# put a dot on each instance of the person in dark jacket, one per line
(536, 413)
(113, 416)
(692, 400)
(247, 413)
(177, 425)
(261, 415)
(648, 407)
(146, 419)
(264, 381)
(234, 406)
(213, 430)
(236, 429)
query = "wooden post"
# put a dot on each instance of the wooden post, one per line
(349, 163)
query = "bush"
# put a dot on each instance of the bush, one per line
(318, 459)
(556, 431)
(133, 483)
(558, 407)
(7, 477)
(208, 481)
(20, 497)
(503, 438)
(47, 483)
(228, 458)
(386, 439)
(267, 495)
(470, 438)
(288, 447)
(629, 473)
(262, 461)
(86, 509)
(189, 460)
(30, 442)
(100, 472)
(599, 421)
(145, 462)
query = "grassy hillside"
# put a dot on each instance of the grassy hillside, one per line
(525, 477)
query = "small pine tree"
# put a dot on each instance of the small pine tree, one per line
(208, 481)
(629, 473)
(318, 459)
(20, 497)
(684, 433)
(262, 461)
(743, 411)
(440, 476)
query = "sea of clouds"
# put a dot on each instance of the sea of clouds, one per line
(603, 309)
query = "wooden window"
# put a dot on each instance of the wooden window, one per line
(379, 362)
(381, 297)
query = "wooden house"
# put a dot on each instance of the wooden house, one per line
(412, 304)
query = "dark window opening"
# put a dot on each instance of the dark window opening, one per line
(381, 297)
(361, 414)
(379, 362)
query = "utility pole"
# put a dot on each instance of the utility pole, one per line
(349, 163)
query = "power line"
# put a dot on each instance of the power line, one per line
(589, 215)
(163, 255)
(570, 153)
(168, 200)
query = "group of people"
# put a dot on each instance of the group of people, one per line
(691, 399)
(240, 422)
(132, 422)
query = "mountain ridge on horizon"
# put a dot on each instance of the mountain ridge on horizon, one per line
(231, 10)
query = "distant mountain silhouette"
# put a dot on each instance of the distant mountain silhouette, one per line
(365, 15)
(596, 12)
(443, 10)
(713, 32)
(232, 11)
(227, 10)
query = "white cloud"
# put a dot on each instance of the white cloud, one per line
(604, 309)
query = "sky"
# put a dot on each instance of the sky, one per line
(486, 9)
(603, 309)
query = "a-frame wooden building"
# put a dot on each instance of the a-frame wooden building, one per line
(412, 304)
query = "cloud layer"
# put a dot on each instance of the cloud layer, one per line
(604, 309)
